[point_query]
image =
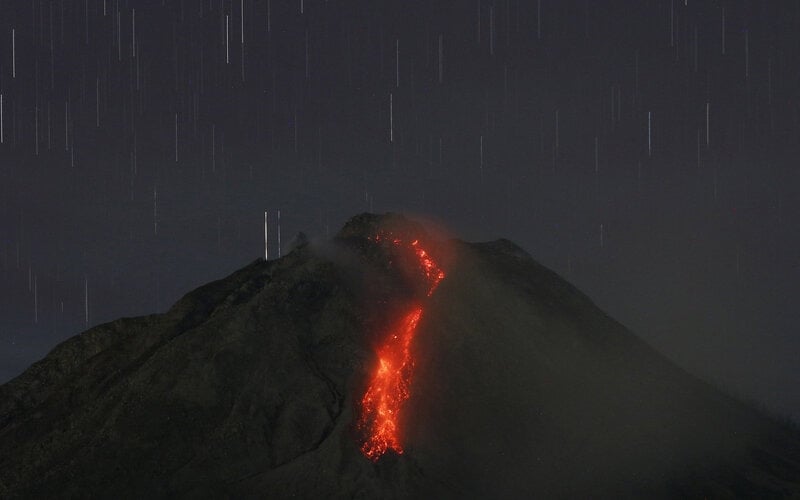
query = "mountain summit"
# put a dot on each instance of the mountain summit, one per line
(388, 362)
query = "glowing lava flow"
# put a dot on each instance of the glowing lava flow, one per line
(390, 382)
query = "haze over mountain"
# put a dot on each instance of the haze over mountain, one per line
(254, 386)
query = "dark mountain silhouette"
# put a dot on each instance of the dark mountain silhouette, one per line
(251, 386)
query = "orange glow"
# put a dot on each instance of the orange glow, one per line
(432, 271)
(391, 380)
(389, 389)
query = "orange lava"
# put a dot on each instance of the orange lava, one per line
(432, 271)
(391, 380)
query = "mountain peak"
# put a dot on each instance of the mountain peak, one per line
(367, 225)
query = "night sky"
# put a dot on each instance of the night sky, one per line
(645, 150)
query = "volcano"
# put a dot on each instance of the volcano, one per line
(503, 381)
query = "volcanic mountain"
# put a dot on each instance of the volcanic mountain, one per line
(388, 362)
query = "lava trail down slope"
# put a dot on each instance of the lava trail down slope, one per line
(391, 379)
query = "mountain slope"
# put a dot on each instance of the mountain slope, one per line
(251, 387)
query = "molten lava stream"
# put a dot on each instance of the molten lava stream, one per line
(391, 380)
(389, 389)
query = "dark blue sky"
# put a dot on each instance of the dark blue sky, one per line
(644, 150)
